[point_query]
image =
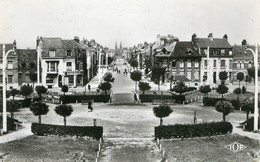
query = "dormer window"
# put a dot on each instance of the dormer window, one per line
(230, 52)
(188, 51)
(52, 52)
(69, 53)
(222, 51)
(215, 52)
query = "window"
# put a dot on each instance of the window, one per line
(196, 64)
(215, 52)
(53, 67)
(238, 65)
(10, 65)
(222, 51)
(69, 53)
(215, 63)
(196, 75)
(222, 63)
(230, 52)
(52, 53)
(242, 65)
(71, 79)
(249, 64)
(189, 75)
(205, 63)
(174, 64)
(181, 64)
(49, 80)
(69, 66)
(10, 78)
(189, 64)
(32, 65)
(230, 64)
(27, 78)
(23, 65)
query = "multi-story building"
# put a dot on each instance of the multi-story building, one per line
(27, 65)
(11, 66)
(185, 62)
(220, 58)
(63, 62)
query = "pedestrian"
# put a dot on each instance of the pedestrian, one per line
(90, 105)
(135, 97)
(89, 87)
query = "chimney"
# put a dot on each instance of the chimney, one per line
(225, 37)
(244, 42)
(14, 45)
(210, 36)
(76, 38)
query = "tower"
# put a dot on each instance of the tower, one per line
(116, 46)
(120, 45)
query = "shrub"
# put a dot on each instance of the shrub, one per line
(207, 101)
(235, 104)
(64, 111)
(243, 89)
(40, 90)
(39, 109)
(150, 98)
(26, 90)
(105, 86)
(191, 89)
(143, 86)
(224, 107)
(26, 102)
(205, 90)
(162, 111)
(64, 89)
(180, 88)
(250, 124)
(193, 130)
(79, 98)
(47, 129)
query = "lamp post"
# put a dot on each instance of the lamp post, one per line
(208, 65)
(255, 54)
(99, 62)
(39, 50)
(4, 87)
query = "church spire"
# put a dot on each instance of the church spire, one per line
(120, 45)
(116, 45)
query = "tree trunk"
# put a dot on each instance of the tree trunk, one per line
(247, 115)
(246, 85)
(13, 97)
(135, 85)
(222, 97)
(64, 119)
(39, 119)
(143, 92)
(224, 117)
(161, 121)
(33, 85)
(239, 84)
(12, 115)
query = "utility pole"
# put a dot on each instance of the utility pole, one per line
(208, 65)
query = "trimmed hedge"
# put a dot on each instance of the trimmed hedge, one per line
(47, 129)
(150, 98)
(193, 130)
(208, 101)
(78, 98)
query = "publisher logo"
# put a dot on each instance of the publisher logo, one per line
(235, 147)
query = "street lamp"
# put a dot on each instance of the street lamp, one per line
(255, 54)
(4, 87)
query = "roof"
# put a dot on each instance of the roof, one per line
(216, 43)
(58, 43)
(240, 53)
(30, 52)
(185, 49)
(8, 47)
(166, 50)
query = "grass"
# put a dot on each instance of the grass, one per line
(210, 149)
(37, 148)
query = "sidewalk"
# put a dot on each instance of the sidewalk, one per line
(16, 135)
(240, 132)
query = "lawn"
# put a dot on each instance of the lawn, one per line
(37, 148)
(210, 149)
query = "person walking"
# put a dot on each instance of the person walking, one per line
(90, 105)
(89, 87)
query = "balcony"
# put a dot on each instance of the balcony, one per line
(52, 71)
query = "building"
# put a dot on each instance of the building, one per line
(185, 61)
(243, 59)
(27, 66)
(63, 62)
(11, 66)
(220, 58)
(118, 51)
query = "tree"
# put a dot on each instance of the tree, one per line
(40, 90)
(251, 72)
(224, 107)
(26, 90)
(133, 63)
(14, 92)
(144, 87)
(180, 88)
(205, 90)
(237, 91)
(11, 106)
(105, 86)
(243, 89)
(248, 80)
(223, 75)
(240, 77)
(222, 89)
(64, 89)
(39, 109)
(108, 77)
(248, 106)
(33, 78)
(64, 111)
(162, 111)
(136, 76)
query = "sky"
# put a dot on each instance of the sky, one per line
(129, 21)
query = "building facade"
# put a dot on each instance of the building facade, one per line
(11, 66)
